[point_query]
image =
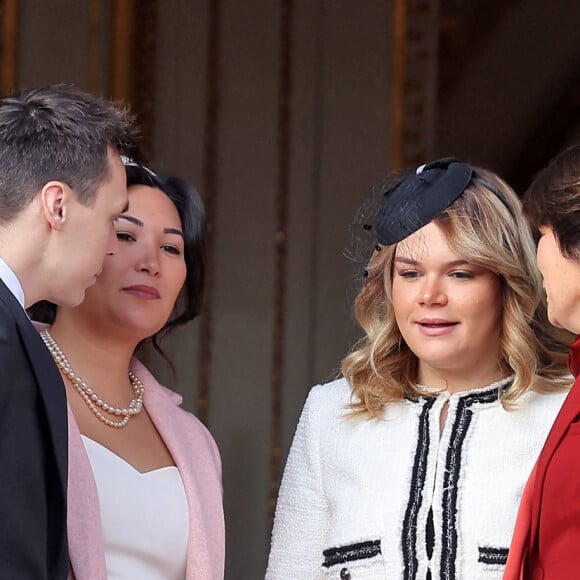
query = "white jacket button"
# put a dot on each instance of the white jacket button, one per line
(345, 574)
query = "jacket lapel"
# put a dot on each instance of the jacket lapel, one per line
(569, 411)
(518, 551)
(85, 536)
(176, 430)
(206, 532)
(48, 379)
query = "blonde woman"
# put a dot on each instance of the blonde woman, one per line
(412, 465)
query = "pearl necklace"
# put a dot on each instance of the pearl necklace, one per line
(92, 400)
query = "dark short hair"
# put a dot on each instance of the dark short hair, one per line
(58, 133)
(553, 200)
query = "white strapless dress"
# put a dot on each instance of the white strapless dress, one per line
(144, 518)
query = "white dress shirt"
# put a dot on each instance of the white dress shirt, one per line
(9, 278)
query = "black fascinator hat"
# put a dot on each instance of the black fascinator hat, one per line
(400, 208)
(420, 197)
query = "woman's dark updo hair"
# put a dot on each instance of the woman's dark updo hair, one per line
(189, 206)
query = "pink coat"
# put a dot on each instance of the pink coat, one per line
(197, 458)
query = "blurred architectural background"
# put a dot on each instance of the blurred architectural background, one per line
(285, 114)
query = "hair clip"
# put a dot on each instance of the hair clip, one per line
(128, 162)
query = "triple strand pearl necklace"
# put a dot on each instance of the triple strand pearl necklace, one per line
(92, 400)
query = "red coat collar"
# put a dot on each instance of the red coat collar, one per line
(574, 357)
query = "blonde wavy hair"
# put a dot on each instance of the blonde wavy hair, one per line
(484, 231)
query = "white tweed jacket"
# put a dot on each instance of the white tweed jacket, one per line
(394, 498)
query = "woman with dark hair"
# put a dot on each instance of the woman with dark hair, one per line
(145, 496)
(412, 464)
(547, 532)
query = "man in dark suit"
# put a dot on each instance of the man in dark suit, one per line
(62, 183)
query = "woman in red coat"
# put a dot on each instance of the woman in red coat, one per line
(546, 541)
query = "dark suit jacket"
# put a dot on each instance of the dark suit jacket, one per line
(547, 535)
(33, 452)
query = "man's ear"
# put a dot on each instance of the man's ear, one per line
(53, 198)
